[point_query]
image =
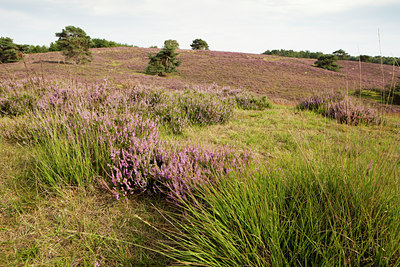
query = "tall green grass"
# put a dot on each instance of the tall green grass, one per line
(66, 153)
(319, 209)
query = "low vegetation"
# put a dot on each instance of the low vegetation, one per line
(343, 109)
(389, 95)
(107, 172)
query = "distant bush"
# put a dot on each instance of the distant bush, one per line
(9, 51)
(365, 58)
(101, 43)
(199, 44)
(328, 62)
(53, 47)
(291, 53)
(342, 108)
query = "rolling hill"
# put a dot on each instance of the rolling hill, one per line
(280, 78)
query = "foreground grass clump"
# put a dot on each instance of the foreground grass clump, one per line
(80, 226)
(342, 108)
(318, 211)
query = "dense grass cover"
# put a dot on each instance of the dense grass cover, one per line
(319, 210)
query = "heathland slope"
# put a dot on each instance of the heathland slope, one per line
(114, 173)
(276, 77)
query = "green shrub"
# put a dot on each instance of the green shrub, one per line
(199, 44)
(250, 101)
(328, 62)
(341, 54)
(163, 62)
(15, 105)
(9, 51)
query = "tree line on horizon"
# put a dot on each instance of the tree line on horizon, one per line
(341, 55)
(74, 44)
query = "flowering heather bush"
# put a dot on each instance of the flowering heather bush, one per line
(125, 149)
(243, 99)
(116, 133)
(14, 105)
(177, 109)
(142, 162)
(153, 166)
(172, 109)
(250, 101)
(171, 115)
(342, 108)
(205, 108)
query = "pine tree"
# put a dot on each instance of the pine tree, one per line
(9, 51)
(199, 44)
(172, 43)
(164, 61)
(341, 54)
(74, 44)
(328, 62)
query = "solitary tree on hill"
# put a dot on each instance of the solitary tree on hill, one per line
(328, 62)
(74, 44)
(9, 52)
(164, 61)
(199, 44)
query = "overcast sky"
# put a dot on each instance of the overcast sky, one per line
(251, 26)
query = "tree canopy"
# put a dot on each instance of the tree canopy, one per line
(74, 44)
(341, 54)
(328, 62)
(164, 61)
(365, 58)
(171, 43)
(199, 44)
(9, 52)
